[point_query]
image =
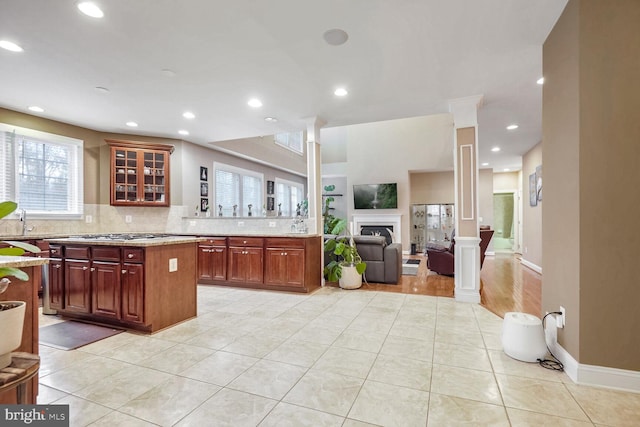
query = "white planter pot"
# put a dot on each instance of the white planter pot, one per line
(350, 279)
(12, 322)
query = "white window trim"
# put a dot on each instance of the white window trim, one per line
(78, 181)
(288, 147)
(242, 172)
(291, 184)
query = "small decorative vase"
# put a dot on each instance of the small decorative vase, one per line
(12, 321)
(219, 210)
(249, 214)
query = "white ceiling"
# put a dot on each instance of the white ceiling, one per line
(404, 58)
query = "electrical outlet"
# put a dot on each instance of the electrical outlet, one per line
(173, 265)
(561, 318)
(240, 223)
(88, 219)
(272, 224)
(127, 219)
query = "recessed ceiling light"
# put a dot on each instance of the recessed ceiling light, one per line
(507, 169)
(168, 73)
(340, 92)
(270, 119)
(188, 115)
(102, 89)
(183, 132)
(6, 44)
(495, 149)
(255, 103)
(512, 127)
(540, 81)
(485, 164)
(132, 124)
(335, 37)
(36, 109)
(90, 9)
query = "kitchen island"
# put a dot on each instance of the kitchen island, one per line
(142, 282)
(27, 292)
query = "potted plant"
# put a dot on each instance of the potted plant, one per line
(11, 312)
(346, 266)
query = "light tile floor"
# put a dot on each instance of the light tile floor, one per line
(333, 358)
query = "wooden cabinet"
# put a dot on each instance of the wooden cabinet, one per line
(284, 266)
(56, 278)
(246, 261)
(133, 293)
(77, 286)
(282, 263)
(106, 289)
(139, 173)
(212, 259)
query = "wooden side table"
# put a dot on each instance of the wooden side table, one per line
(24, 366)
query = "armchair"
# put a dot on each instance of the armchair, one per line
(442, 260)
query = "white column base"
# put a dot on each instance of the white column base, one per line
(467, 269)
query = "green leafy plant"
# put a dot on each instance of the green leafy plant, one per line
(14, 249)
(342, 250)
(326, 208)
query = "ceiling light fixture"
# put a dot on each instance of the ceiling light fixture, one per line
(335, 37)
(132, 124)
(512, 127)
(340, 92)
(90, 9)
(485, 164)
(188, 115)
(36, 109)
(540, 81)
(168, 73)
(6, 44)
(102, 89)
(495, 149)
(270, 119)
(507, 169)
(183, 132)
(254, 103)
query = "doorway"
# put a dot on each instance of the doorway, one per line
(504, 221)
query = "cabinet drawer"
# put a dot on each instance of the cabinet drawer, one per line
(76, 252)
(106, 253)
(246, 241)
(55, 251)
(283, 242)
(132, 255)
(214, 241)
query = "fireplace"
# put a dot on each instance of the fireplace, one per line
(383, 221)
(385, 231)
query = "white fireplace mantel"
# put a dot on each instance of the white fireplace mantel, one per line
(394, 220)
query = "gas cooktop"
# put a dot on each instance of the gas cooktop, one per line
(119, 236)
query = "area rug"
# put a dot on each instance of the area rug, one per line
(410, 267)
(69, 335)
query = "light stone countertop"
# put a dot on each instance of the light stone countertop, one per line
(156, 241)
(21, 261)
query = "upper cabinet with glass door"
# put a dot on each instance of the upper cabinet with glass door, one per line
(139, 173)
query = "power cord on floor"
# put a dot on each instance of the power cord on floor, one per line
(553, 364)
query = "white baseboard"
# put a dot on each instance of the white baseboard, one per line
(598, 376)
(531, 265)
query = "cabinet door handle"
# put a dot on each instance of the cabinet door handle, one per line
(93, 269)
(123, 271)
(56, 265)
(244, 241)
(85, 267)
(285, 254)
(53, 251)
(130, 256)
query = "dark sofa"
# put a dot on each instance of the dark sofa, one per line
(442, 260)
(384, 261)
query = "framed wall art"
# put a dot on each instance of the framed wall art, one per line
(204, 173)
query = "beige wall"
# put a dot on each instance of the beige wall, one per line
(531, 215)
(431, 188)
(590, 132)
(505, 181)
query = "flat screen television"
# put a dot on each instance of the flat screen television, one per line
(375, 196)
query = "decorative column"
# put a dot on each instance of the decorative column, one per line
(467, 239)
(314, 175)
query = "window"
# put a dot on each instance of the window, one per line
(240, 187)
(288, 195)
(291, 140)
(42, 172)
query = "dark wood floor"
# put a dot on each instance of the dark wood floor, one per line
(506, 284)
